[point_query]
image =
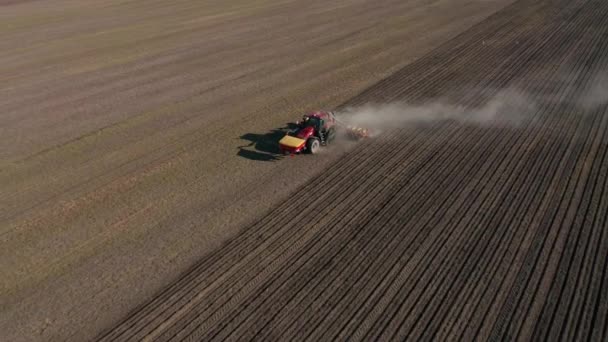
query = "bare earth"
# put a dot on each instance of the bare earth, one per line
(474, 227)
(136, 136)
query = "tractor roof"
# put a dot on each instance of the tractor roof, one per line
(318, 114)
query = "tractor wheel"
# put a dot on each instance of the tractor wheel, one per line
(313, 145)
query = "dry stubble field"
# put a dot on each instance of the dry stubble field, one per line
(134, 135)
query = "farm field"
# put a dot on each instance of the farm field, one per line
(136, 136)
(449, 229)
(137, 139)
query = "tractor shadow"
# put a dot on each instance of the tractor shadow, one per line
(263, 147)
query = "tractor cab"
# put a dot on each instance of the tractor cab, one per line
(314, 122)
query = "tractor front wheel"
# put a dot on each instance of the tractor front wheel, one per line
(313, 145)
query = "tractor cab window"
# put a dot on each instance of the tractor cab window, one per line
(314, 122)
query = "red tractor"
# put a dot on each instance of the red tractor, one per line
(315, 130)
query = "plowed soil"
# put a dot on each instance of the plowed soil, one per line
(124, 166)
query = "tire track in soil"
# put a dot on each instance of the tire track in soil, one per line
(554, 312)
(465, 307)
(420, 266)
(460, 305)
(538, 249)
(582, 326)
(516, 319)
(563, 287)
(440, 298)
(430, 232)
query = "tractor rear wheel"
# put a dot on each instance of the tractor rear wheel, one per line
(331, 135)
(313, 145)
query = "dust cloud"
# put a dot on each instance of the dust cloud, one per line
(507, 108)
